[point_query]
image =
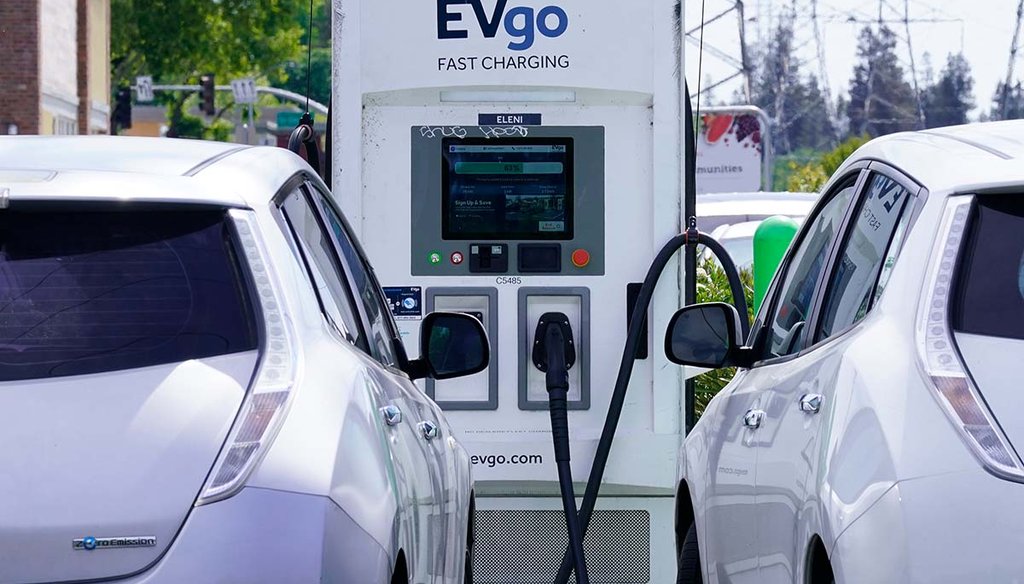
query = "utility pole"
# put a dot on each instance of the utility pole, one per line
(823, 70)
(744, 53)
(1004, 99)
(913, 66)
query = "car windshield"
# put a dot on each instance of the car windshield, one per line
(88, 292)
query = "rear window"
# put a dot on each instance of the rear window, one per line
(990, 288)
(89, 292)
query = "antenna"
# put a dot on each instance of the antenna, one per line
(309, 55)
(741, 64)
(304, 134)
(700, 58)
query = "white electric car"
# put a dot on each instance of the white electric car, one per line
(717, 209)
(732, 218)
(872, 433)
(201, 381)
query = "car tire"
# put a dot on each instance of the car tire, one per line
(688, 567)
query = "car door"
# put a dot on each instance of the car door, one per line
(436, 508)
(800, 379)
(729, 537)
(732, 533)
(415, 474)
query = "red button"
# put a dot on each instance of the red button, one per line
(581, 258)
(457, 258)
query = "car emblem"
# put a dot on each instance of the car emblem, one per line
(91, 543)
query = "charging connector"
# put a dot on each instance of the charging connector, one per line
(554, 353)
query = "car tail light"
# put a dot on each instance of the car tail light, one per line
(954, 388)
(264, 407)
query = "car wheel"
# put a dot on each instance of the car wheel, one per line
(470, 543)
(689, 571)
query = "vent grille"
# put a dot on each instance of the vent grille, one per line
(526, 546)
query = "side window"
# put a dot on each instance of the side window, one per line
(793, 302)
(365, 286)
(871, 246)
(325, 270)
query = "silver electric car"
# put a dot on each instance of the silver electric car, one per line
(872, 432)
(201, 379)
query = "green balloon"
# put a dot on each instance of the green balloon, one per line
(771, 240)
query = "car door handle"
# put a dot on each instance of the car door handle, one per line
(811, 403)
(753, 419)
(392, 415)
(429, 430)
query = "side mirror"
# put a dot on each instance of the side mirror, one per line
(451, 345)
(705, 335)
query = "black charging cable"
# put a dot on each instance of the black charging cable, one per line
(305, 135)
(692, 237)
(554, 354)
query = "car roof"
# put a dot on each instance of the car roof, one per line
(967, 158)
(756, 196)
(742, 230)
(754, 204)
(166, 170)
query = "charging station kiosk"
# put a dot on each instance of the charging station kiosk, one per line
(510, 159)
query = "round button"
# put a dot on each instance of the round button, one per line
(581, 258)
(457, 258)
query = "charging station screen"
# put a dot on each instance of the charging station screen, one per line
(507, 188)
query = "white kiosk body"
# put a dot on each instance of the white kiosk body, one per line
(508, 158)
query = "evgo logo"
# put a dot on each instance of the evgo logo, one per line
(522, 23)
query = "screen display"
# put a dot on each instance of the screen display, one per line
(507, 188)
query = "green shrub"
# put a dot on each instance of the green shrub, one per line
(810, 177)
(713, 286)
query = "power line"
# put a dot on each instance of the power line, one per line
(740, 64)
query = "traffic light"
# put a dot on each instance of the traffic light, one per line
(121, 116)
(207, 88)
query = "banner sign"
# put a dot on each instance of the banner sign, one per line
(731, 151)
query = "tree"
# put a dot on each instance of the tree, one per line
(1014, 102)
(881, 101)
(948, 101)
(292, 75)
(797, 108)
(176, 41)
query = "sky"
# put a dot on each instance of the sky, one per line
(981, 29)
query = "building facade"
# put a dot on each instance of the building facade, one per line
(56, 73)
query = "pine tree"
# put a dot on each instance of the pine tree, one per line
(1014, 102)
(948, 101)
(881, 101)
(797, 108)
(807, 124)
